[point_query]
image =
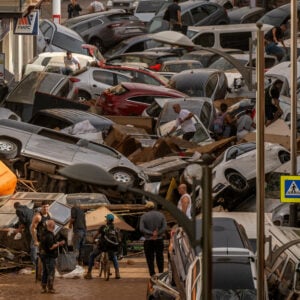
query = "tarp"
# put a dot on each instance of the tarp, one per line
(97, 218)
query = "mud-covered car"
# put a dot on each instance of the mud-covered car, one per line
(37, 153)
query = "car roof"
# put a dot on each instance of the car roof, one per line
(233, 27)
(74, 116)
(74, 21)
(225, 233)
(149, 87)
(237, 14)
(65, 30)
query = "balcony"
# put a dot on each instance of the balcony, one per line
(17, 8)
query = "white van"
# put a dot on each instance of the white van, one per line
(234, 36)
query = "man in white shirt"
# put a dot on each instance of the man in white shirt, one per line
(185, 202)
(185, 121)
(71, 63)
(96, 6)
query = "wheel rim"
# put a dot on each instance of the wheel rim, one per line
(6, 146)
(122, 177)
(237, 181)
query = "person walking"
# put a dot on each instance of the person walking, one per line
(96, 6)
(73, 9)
(272, 38)
(25, 215)
(109, 241)
(185, 202)
(184, 120)
(71, 63)
(49, 252)
(173, 15)
(153, 226)
(78, 223)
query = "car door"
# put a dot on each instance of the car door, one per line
(48, 147)
(101, 80)
(135, 105)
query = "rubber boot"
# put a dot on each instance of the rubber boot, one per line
(117, 273)
(51, 290)
(44, 288)
(88, 275)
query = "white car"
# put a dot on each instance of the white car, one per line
(41, 61)
(235, 167)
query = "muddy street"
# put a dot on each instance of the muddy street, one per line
(131, 286)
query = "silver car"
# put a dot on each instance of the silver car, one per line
(90, 83)
(37, 153)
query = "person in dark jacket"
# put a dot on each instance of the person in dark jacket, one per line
(272, 38)
(153, 226)
(25, 215)
(49, 252)
(78, 224)
(73, 9)
(106, 244)
(174, 15)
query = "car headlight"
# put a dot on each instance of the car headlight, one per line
(217, 188)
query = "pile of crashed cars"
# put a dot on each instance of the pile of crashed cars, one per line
(116, 113)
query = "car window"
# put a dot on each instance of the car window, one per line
(50, 122)
(45, 61)
(152, 44)
(187, 19)
(236, 40)
(211, 85)
(198, 14)
(205, 114)
(136, 47)
(81, 27)
(67, 42)
(120, 78)
(209, 8)
(252, 18)
(142, 99)
(45, 26)
(205, 39)
(103, 77)
(48, 33)
(118, 17)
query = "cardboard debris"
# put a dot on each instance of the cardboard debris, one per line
(97, 218)
(278, 132)
(145, 123)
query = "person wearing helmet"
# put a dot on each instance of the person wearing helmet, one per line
(109, 241)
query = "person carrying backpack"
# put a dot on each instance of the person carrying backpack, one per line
(173, 16)
(25, 215)
(109, 241)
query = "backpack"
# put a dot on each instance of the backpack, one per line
(218, 124)
(166, 16)
(111, 238)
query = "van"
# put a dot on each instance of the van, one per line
(235, 36)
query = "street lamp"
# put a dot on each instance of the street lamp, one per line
(95, 175)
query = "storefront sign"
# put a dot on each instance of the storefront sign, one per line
(28, 25)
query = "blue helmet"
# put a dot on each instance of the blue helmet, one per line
(110, 217)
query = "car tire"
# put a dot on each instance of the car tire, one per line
(238, 182)
(83, 96)
(98, 43)
(123, 175)
(8, 149)
(284, 157)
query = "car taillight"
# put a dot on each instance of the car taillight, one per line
(155, 67)
(114, 25)
(73, 79)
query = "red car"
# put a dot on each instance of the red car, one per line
(130, 99)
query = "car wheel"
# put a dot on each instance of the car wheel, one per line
(8, 149)
(83, 96)
(122, 175)
(98, 43)
(284, 157)
(237, 181)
